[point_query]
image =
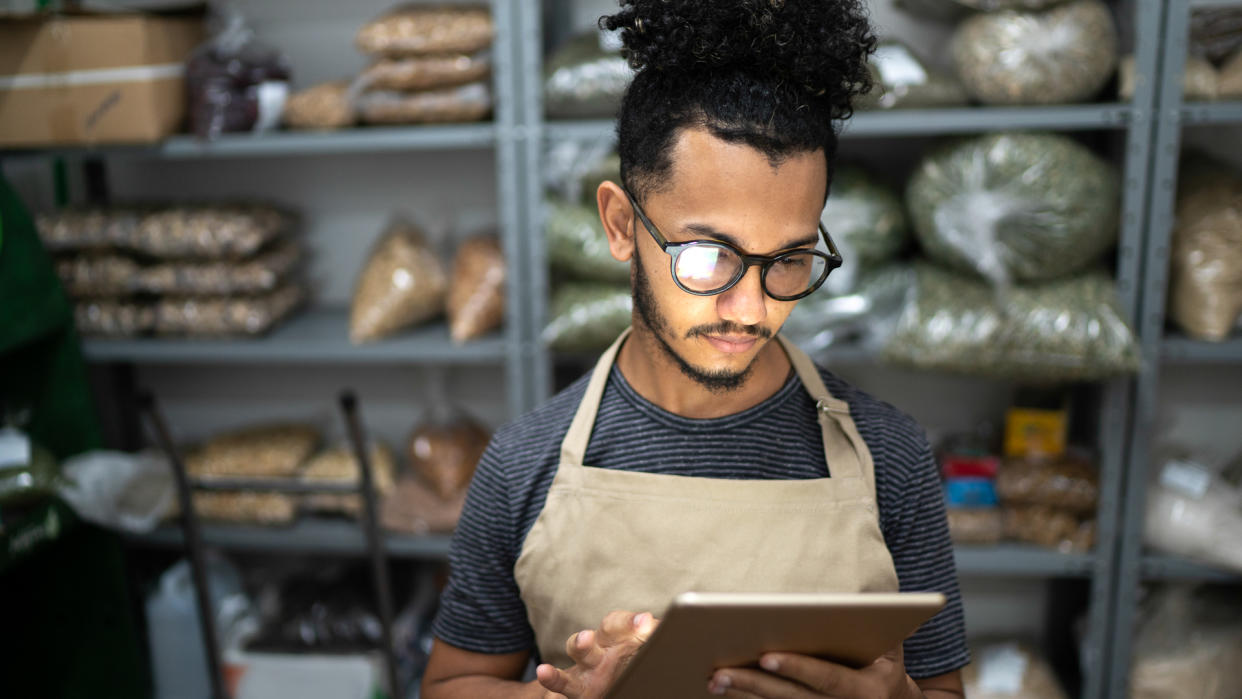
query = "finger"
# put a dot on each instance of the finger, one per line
(583, 649)
(822, 676)
(556, 681)
(742, 682)
(620, 627)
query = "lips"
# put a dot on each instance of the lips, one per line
(731, 344)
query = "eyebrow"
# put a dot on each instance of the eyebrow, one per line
(710, 232)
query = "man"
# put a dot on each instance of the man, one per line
(704, 453)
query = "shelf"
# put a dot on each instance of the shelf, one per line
(1202, 113)
(1008, 560)
(1159, 567)
(277, 143)
(306, 536)
(918, 122)
(1214, 4)
(313, 336)
(1183, 350)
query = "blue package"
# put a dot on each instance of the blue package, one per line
(970, 492)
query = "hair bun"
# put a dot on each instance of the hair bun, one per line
(819, 45)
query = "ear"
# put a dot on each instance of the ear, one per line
(618, 218)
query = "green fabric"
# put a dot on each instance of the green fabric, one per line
(69, 626)
(41, 366)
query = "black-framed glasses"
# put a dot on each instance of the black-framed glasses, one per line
(710, 267)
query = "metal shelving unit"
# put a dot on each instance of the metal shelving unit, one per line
(1132, 120)
(312, 336)
(327, 537)
(1159, 347)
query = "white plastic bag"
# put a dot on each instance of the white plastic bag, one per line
(1193, 512)
(130, 492)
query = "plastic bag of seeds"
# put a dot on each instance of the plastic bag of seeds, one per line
(1200, 80)
(233, 81)
(208, 231)
(275, 450)
(226, 316)
(1069, 483)
(113, 317)
(476, 294)
(1010, 670)
(975, 525)
(863, 318)
(402, 284)
(418, 30)
(245, 507)
(587, 317)
(947, 10)
(86, 229)
(1059, 55)
(425, 72)
(578, 246)
(1205, 285)
(323, 106)
(902, 80)
(586, 78)
(338, 465)
(1049, 527)
(1229, 78)
(1066, 330)
(465, 103)
(444, 452)
(1015, 206)
(867, 220)
(98, 275)
(260, 274)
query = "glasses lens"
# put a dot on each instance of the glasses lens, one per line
(792, 274)
(704, 267)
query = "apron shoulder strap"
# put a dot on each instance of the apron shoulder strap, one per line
(574, 446)
(844, 450)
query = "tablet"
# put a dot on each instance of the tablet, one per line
(702, 632)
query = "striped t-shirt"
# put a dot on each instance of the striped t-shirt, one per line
(481, 610)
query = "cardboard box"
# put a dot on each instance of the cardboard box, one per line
(93, 78)
(261, 675)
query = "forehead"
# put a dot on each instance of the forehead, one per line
(735, 187)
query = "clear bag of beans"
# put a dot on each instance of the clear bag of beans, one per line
(418, 30)
(425, 72)
(324, 106)
(1063, 54)
(113, 317)
(587, 317)
(208, 231)
(98, 275)
(276, 450)
(245, 507)
(578, 246)
(1205, 285)
(86, 229)
(444, 451)
(339, 465)
(465, 103)
(402, 284)
(226, 316)
(262, 273)
(586, 78)
(476, 293)
(1069, 482)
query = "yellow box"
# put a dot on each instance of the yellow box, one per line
(1031, 432)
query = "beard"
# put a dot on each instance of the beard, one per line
(717, 381)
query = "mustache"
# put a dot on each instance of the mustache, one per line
(727, 328)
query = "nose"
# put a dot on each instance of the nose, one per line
(745, 303)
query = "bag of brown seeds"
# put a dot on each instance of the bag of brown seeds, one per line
(324, 106)
(425, 72)
(465, 103)
(402, 284)
(417, 30)
(476, 294)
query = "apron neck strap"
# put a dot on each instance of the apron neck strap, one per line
(842, 444)
(573, 449)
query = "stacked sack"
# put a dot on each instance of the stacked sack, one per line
(1016, 228)
(1205, 274)
(1023, 52)
(586, 77)
(200, 271)
(591, 302)
(428, 64)
(404, 284)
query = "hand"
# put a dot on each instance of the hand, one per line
(791, 676)
(599, 656)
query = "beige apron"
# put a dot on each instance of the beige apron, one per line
(609, 539)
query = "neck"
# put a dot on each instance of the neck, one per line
(657, 378)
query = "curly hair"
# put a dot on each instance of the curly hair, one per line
(777, 75)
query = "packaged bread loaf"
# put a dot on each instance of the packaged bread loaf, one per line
(339, 465)
(262, 451)
(245, 507)
(416, 30)
(444, 454)
(402, 284)
(113, 318)
(465, 103)
(476, 294)
(323, 106)
(225, 316)
(425, 72)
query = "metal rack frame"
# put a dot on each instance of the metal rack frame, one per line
(1158, 349)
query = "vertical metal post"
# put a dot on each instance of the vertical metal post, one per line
(530, 19)
(1161, 202)
(374, 538)
(194, 546)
